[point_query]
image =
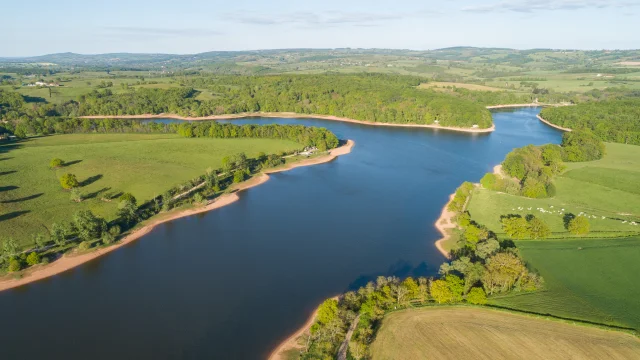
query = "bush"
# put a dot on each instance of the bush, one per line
(76, 195)
(33, 259)
(69, 181)
(84, 246)
(198, 198)
(128, 197)
(14, 265)
(488, 181)
(56, 163)
(579, 226)
(238, 176)
(477, 296)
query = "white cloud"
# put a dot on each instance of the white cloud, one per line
(528, 6)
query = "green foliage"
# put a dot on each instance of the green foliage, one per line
(538, 229)
(477, 296)
(582, 146)
(440, 292)
(128, 197)
(489, 181)
(33, 259)
(69, 181)
(75, 195)
(516, 227)
(579, 225)
(610, 120)
(56, 163)
(368, 97)
(460, 198)
(88, 225)
(14, 265)
(456, 286)
(198, 198)
(239, 176)
(84, 245)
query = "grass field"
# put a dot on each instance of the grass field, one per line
(476, 333)
(591, 280)
(604, 188)
(143, 164)
(442, 85)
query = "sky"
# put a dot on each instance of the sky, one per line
(39, 27)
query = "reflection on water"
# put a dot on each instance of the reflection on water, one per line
(232, 283)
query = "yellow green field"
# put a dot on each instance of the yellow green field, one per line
(476, 333)
(145, 165)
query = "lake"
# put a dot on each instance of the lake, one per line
(234, 282)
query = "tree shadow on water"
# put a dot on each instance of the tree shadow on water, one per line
(26, 198)
(90, 180)
(400, 269)
(12, 215)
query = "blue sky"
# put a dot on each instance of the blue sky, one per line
(42, 26)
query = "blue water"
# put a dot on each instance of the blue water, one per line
(232, 283)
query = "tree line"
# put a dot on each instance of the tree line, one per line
(482, 267)
(532, 169)
(615, 120)
(368, 97)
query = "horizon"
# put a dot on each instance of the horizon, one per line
(193, 27)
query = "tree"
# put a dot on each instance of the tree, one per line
(128, 197)
(69, 181)
(239, 176)
(487, 248)
(515, 226)
(579, 225)
(56, 163)
(127, 211)
(357, 349)
(38, 240)
(538, 229)
(477, 296)
(57, 234)
(488, 181)
(14, 265)
(33, 258)
(502, 272)
(9, 248)
(440, 292)
(76, 195)
(88, 225)
(456, 286)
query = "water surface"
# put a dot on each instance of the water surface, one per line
(232, 283)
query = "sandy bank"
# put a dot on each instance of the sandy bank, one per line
(285, 115)
(68, 262)
(552, 125)
(506, 106)
(445, 222)
(291, 343)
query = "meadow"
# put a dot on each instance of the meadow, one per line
(146, 165)
(605, 190)
(476, 333)
(591, 280)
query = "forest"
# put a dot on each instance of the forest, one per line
(368, 97)
(610, 120)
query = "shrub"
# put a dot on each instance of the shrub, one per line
(14, 265)
(84, 246)
(579, 226)
(488, 181)
(69, 181)
(128, 197)
(33, 259)
(533, 188)
(238, 176)
(477, 296)
(76, 195)
(198, 198)
(56, 163)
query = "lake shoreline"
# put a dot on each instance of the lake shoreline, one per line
(287, 115)
(66, 263)
(552, 125)
(290, 343)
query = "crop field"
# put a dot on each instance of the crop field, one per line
(605, 190)
(590, 280)
(145, 165)
(476, 333)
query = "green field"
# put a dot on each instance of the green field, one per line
(476, 333)
(145, 165)
(604, 188)
(591, 280)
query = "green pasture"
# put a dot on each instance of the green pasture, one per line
(590, 280)
(145, 165)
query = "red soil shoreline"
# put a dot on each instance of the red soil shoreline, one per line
(69, 262)
(284, 115)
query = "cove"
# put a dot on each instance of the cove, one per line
(234, 282)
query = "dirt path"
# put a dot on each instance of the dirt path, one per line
(68, 262)
(342, 351)
(284, 115)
